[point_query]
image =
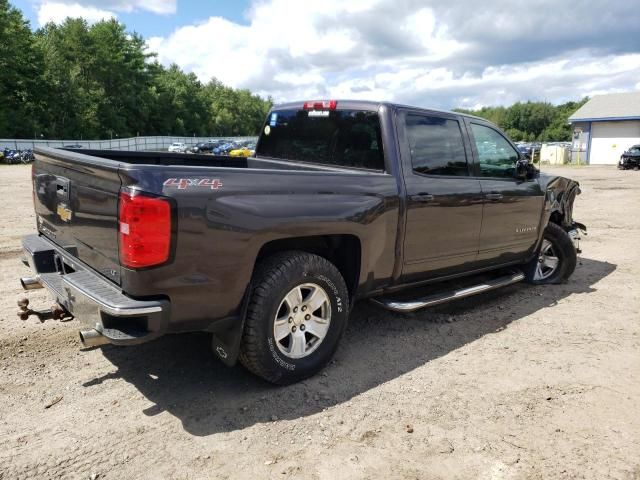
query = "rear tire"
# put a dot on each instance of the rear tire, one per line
(296, 315)
(556, 259)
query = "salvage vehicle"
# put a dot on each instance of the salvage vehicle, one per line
(178, 147)
(206, 147)
(246, 151)
(630, 159)
(343, 201)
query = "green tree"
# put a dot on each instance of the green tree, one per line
(20, 81)
(178, 107)
(531, 121)
(99, 82)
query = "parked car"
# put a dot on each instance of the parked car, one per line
(530, 151)
(225, 148)
(245, 151)
(207, 147)
(178, 147)
(11, 156)
(525, 149)
(26, 156)
(343, 201)
(630, 159)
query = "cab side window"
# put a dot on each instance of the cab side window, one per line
(496, 156)
(436, 145)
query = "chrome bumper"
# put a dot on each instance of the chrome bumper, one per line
(97, 303)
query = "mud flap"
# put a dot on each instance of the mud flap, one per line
(225, 342)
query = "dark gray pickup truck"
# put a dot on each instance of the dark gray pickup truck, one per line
(344, 200)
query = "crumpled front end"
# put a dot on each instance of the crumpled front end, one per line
(561, 193)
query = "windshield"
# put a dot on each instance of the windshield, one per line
(349, 138)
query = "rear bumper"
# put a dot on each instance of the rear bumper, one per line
(97, 303)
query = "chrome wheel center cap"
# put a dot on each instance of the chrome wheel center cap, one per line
(302, 320)
(298, 318)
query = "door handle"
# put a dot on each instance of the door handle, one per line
(494, 197)
(62, 188)
(422, 197)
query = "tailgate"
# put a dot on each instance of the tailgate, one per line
(76, 204)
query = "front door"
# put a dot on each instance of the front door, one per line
(444, 202)
(512, 207)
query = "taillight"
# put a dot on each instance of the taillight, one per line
(321, 105)
(145, 230)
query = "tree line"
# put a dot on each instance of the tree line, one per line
(77, 80)
(532, 121)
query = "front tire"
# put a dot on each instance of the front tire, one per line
(556, 259)
(296, 315)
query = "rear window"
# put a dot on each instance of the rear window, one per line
(349, 138)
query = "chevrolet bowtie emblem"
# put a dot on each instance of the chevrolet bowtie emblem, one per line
(64, 213)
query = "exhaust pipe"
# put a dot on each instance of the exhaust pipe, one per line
(31, 283)
(92, 338)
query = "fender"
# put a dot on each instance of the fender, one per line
(560, 193)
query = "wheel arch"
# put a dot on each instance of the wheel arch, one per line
(343, 250)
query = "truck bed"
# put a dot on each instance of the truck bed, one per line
(226, 212)
(183, 159)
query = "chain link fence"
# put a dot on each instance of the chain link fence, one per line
(131, 144)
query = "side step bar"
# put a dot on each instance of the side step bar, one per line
(438, 298)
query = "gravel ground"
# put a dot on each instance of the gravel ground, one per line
(526, 382)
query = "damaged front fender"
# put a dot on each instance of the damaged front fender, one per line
(560, 193)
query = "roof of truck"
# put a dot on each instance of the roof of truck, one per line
(373, 105)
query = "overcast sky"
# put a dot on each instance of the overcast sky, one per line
(443, 54)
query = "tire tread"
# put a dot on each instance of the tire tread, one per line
(267, 275)
(569, 259)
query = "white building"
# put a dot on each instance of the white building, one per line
(604, 127)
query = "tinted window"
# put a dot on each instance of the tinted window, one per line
(436, 145)
(348, 138)
(496, 156)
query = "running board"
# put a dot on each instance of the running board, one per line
(438, 298)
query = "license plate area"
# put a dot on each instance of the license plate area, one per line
(86, 311)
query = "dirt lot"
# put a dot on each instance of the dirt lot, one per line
(528, 382)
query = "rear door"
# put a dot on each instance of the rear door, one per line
(512, 207)
(444, 202)
(76, 205)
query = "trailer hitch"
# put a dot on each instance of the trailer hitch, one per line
(56, 312)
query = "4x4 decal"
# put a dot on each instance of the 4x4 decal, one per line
(184, 183)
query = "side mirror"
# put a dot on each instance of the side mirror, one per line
(522, 169)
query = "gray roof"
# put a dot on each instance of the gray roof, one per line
(614, 106)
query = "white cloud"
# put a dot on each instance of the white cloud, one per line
(95, 10)
(57, 12)
(161, 7)
(425, 53)
(287, 41)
